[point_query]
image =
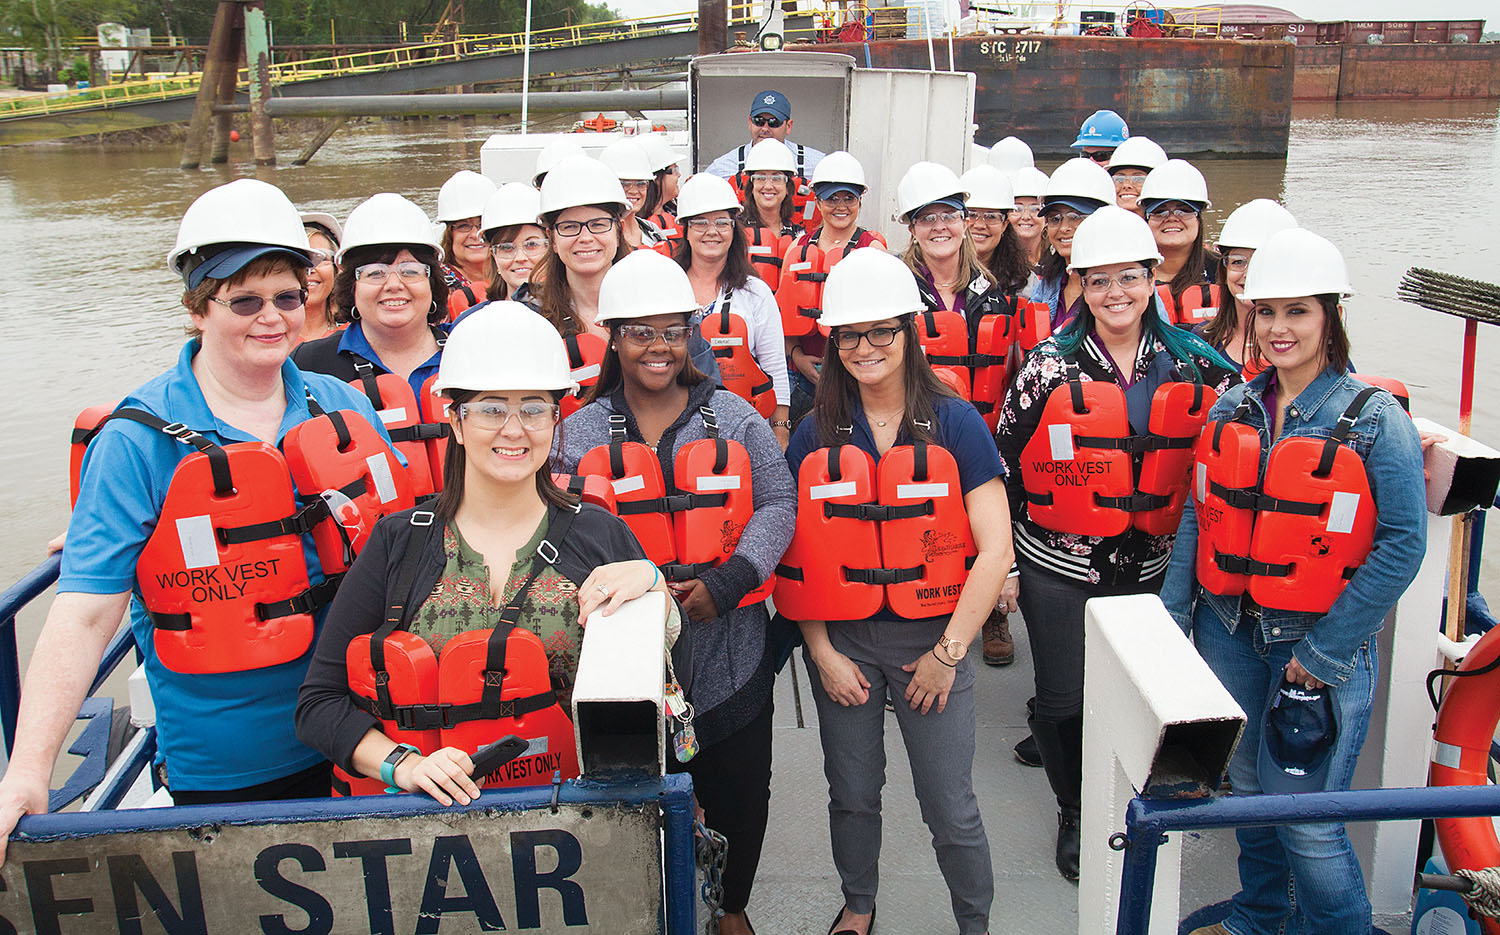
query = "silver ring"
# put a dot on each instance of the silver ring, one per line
(602, 589)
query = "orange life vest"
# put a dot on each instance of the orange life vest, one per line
(1198, 304)
(804, 268)
(991, 360)
(585, 357)
(1033, 325)
(895, 536)
(595, 490)
(1395, 387)
(668, 226)
(402, 417)
(1078, 467)
(944, 336)
(699, 523)
(85, 427)
(729, 336)
(223, 575)
(766, 251)
(464, 296)
(1294, 538)
(805, 213)
(483, 685)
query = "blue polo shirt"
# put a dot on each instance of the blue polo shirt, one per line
(354, 340)
(958, 427)
(220, 731)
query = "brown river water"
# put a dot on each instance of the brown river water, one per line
(93, 312)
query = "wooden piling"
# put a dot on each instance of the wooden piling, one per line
(713, 26)
(330, 126)
(208, 86)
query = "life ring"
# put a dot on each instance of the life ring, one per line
(1466, 724)
(599, 124)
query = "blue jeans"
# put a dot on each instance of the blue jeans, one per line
(1307, 868)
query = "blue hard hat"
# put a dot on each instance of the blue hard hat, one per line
(1103, 128)
(1296, 739)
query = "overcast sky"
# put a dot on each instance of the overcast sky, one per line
(1311, 9)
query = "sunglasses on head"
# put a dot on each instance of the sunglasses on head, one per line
(765, 120)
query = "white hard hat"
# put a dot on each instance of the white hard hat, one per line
(387, 219)
(1251, 223)
(553, 153)
(629, 159)
(1081, 184)
(839, 168)
(512, 204)
(244, 212)
(923, 184)
(463, 196)
(503, 346)
(1011, 154)
(1174, 180)
(326, 221)
(579, 180)
(643, 284)
(1138, 152)
(770, 155)
(661, 153)
(1029, 183)
(988, 187)
(1112, 235)
(704, 192)
(1293, 263)
(868, 284)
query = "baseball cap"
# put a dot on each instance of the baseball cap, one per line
(232, 258)
(829, 189)
(1296, 739)
(773, 103)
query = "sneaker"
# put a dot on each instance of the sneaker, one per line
(999, 648)
(1026, 752)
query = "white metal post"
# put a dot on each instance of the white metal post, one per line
(526, 68)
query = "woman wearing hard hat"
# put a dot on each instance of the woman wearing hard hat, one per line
(1011, 155)
(517, 241)
(1095, 516)
(323, 232)
(839, 186)
(661, 194)
(655, 417)
(390, 289)
(1174, 196)
(737, 313)
(894, 620)
(1332, 472)
(632, 165)
(1246, 228)
(212, 440)
(1128, 167)
(502, 551)
(468, 268)
(1029, 185)
(1077, 189)
(996, 244)
(766, 189)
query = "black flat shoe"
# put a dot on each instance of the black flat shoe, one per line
(835, 930)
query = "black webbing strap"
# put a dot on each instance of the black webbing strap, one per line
(616, 445)
(884, 575)
(878, 512)
(469, 293)
(672, 503)
(1341, 431)
(929, 323)
(1138, 502)
(398, 611)
(304, 603)
(421, 431)
(1075, 389)
(684, 571)
(218, 460)
(366, 373)
(723, 317)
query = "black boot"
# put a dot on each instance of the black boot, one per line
(1061, 746)
(1025, 751)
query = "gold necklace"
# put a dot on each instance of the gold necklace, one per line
(881, 423)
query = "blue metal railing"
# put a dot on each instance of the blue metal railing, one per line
(15, 597)
(1147, 822)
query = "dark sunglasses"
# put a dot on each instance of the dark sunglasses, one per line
(761, 120)
(247, 305)
(1099, 157)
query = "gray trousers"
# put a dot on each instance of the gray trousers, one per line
(940, 748)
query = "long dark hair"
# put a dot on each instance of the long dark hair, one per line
(342, 296)
(653, 195)
(1008, 264)
(1335, 336)
(750, 217)
(737, 269)
(447, 503)
(1182, 344)
(1052, 265)
(556, 297)
(611, 377)
(838, 392)
(1191, 273)
(1225, 326)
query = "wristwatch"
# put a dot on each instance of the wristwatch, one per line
(954, 648)
(388, 766)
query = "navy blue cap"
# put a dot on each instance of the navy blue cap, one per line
(1084, 206)
(773, 103)
(828, 189)
(1296, 739)
(1151, 204)
(952, 201)
(230, 259)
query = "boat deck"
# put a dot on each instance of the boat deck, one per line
(797, 889)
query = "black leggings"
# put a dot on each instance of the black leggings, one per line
(311, 783)
(732, 780)
(1053, 609)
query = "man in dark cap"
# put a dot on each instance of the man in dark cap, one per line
(770, 118)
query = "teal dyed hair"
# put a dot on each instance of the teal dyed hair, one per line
(1179, 342)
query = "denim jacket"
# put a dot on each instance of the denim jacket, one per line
(1385, 439)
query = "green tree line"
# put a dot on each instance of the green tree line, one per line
(47, 25)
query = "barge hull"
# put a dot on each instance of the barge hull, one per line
(1405, 72)
(1190, 95)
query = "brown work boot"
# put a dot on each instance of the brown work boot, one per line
(999, 648)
